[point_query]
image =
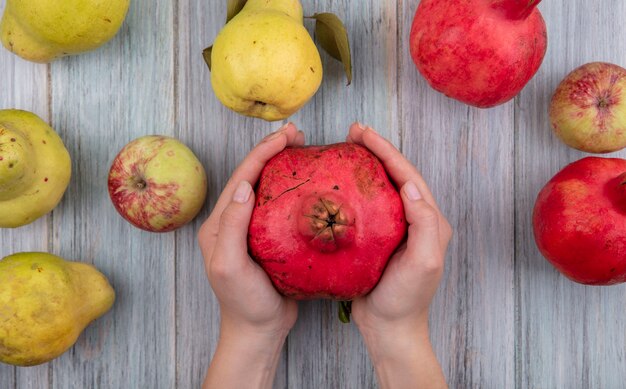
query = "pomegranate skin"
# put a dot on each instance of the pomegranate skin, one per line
(481, 52)
(579, 221)
(326, 221)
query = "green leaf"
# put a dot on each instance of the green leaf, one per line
(233, 8)
(333, 37)
(345, 309)
(206, 53)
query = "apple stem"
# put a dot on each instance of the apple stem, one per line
(516, 9)
(345, 308)
(139, 183)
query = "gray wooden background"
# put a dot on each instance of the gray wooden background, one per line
(503, 317)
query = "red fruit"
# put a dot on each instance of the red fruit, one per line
(481, 52)
(326, 221)
(588, 109)
(580, 221)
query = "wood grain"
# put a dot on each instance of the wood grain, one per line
(221, 139)
(466, 156)
(100, 101)
(503, 317)
(23, 86)
(322, 352)
(568, 335)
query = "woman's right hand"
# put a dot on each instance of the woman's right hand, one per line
(393, 318)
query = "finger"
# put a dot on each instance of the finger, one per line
(207, 237)
(423, 244)
(354, 133)
(254, 162)
(250, 169)
(289, 130)
(400, 169)
(231, 245)
(299, 139)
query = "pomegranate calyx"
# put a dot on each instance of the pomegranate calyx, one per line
(326, 223)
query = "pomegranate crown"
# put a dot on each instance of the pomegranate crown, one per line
(516, 9)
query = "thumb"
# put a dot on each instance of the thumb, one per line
(423, 242)
(234, 221)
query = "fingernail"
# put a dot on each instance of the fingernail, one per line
(242, 193)
(361, 126)
(273, 136)
(373, 130)
(411, 191)
(277, 133)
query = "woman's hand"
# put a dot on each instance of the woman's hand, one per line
(255, 318)
(393, 318)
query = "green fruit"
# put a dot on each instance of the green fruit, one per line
(44, 30)
(264, 63)
(35, 168)
(45, 303)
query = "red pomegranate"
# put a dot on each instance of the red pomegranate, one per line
(580, 221)
(481, 52)
(326, 221)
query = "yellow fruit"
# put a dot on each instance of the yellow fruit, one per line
(44, 30)
(264, 63)
(45, 303)
(35, 168)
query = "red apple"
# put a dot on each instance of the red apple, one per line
(326, 221)
(157, 183)
(588, 109)
(580, 221)
(481, 52)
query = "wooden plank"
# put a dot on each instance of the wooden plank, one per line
(221, 139)
(569, 335)
(466, 156)
(322, 352)
(165, 324)
(227, 131)
(101, 101)
(24, 87)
